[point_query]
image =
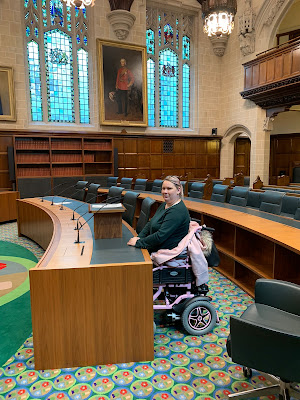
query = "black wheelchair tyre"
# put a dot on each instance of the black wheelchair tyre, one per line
(199, 317)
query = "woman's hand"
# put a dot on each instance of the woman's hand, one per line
(133, 241)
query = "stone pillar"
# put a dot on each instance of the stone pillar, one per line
(260, 147)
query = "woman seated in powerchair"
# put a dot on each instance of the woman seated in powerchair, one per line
(180, 269)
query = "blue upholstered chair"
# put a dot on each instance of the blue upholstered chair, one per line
(271, 202)
(247, 181)
(239, 196)
(297, 213)
(217, 182)
(267, 338)
(254, 199)
(126, 183)
(157, 184)
(197, 190)
(219, 193)
(112, 181)
(92, 193)
(140, 184)
(114, 194)
(296, 175)
(129, 202)
(289, 206)
(80, 190)
(144, 214)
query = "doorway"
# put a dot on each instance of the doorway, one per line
(242, 148)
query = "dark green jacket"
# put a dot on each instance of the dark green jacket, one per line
(165, 229)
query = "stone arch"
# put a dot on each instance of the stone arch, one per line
(227, 148)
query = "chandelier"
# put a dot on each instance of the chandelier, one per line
(218, 16)
(79, 3)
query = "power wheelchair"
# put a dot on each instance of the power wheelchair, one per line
(175, 291)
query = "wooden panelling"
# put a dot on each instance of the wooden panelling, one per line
(130, 146)
(144, 146)
(8, 208)
(296, 61)
(179, 146)
(287, 62)
(270, 70)
(156, 146)
(155, 161)
(242, 156)
(284, 155)
(278, 67)
(262, 73)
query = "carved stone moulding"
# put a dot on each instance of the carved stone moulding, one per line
(219, 44)
(282, 93)
(121, 22)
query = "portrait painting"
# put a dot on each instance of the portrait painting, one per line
(123, 89)
(7, 95)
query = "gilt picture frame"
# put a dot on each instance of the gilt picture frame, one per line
(7, 95)
(122, 84)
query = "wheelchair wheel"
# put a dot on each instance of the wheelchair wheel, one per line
(199, 317)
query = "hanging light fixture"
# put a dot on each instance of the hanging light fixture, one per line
(80, 3)
(218, 16)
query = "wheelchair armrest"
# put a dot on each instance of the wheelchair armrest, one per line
(278, 294)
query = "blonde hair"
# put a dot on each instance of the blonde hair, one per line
(176, 182)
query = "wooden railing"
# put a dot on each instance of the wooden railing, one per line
(273, 78)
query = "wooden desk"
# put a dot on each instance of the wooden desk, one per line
(250, 246)
(84, 314)
(8, 208)
(107, 221)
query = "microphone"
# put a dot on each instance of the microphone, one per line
(49, 191)
(67, 198)
(100, 208)
(58, 194)
(73, 217)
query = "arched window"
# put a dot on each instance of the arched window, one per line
(168, 40)
(57, 57)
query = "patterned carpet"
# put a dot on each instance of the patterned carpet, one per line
(185, 367)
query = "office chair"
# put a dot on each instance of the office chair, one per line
(129, 202)
(267, 337)
(114, 194)
(126, 183)
(140, 184)
(239, 196)
(112, 181)
(80, 190)
(219, 193)
(157, 184)
(92, 193)
(197, 190)
(144, 214)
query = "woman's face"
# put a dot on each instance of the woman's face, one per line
(170, 192)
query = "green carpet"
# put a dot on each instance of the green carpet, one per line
(15, 313)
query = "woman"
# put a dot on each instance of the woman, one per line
(170, 223)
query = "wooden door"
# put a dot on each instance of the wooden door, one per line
(242, 148)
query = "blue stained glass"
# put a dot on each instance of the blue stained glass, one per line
(83, 86)
(59, 76)
(185, 48)
(26, 3)
(56, 12)
(150, 41)
(27, 15)
(177, 39)
(76, 12)
(151, 91)
(84, 12)
(36, 32)
(186, 96)
(168, 34)
(44, 11)
(85, 41)
(69, 25)
(34, 3)
(168, 90)
(34, 81)
(78, 38)
(27, 31)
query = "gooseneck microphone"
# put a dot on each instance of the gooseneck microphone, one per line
(68, 198)
(100, 208)
(58, 194)
(49, 191)
(73, 217)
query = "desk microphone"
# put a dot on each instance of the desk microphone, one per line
(73, 217)
(45, 194)
(68, 198)
(58, 194)
(100, 208)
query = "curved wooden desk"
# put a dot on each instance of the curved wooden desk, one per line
(83, 313)
(250, 246)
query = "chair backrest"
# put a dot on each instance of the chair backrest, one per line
(126, 183)
(219, 193)
(271, 202)
(296, 175)
(246, 180)
(197, 190)
(254, 199)
(140, 184)
(129, 202)
(112, 181)
(114, 194)
(80, 190)
(92, 193)
(144, 214)
(157, 184)
(289, 206)
(297, 213)
(239, 196)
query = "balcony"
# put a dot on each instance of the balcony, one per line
(273, 79)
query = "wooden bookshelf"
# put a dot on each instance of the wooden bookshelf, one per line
(62, 156)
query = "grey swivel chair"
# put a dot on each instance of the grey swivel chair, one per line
(239, 196)
(112, 181)
(144, 214)
(114, 194)
(140, 184)
(197, 190)
(129, 202)
(126, 183)
(267, 338)
(80, 190)
(157, 184)
(92, 193)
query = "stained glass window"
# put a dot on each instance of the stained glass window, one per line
(58, 61)
(168, 39)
